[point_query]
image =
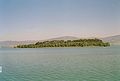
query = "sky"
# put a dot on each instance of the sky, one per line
(43, 19)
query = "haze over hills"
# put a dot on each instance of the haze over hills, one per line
(112, 39)
(14, 43)
(65, 38)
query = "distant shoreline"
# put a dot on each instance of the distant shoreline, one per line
(68, 47)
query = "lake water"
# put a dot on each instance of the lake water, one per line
(60, 64)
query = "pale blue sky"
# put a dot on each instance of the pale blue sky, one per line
(42, 19)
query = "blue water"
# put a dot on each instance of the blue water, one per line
(60, 64)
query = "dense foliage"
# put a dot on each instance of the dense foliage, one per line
(68, 43)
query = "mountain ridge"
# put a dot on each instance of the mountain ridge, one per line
(112, 39)
(64, 38)
(14, 43)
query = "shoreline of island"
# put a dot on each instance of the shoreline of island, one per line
(66, 43)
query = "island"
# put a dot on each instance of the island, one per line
(67, 43)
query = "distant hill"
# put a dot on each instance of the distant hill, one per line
(14, 43)
(112, 39)
(64, 38)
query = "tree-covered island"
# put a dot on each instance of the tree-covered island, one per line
(67, 43)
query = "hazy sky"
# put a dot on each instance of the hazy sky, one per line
(42, 19)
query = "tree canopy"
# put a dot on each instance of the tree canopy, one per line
(67, 43)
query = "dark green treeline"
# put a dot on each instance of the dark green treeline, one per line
(68, 43)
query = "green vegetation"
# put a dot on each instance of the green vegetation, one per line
(68, 43)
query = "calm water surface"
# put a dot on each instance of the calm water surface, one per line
(60, 64)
